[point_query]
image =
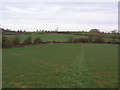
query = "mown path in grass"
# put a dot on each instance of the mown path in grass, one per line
(63, 65)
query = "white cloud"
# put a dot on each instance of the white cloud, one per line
(59, 0)
(67, 16)
(17, 10)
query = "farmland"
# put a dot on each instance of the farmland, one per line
(47, 37)
(64, 36)
(61, 65)
(59, 44)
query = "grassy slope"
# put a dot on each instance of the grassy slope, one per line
(48, 37)
(65, 65)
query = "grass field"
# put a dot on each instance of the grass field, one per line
(47, 37)
(61, 65)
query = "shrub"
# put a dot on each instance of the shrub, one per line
(91, 38)
(16, 41)
(96, 38)
(99, 40)
(81, 40)
(27, 41)
(37, 40)
(54, 41)
(114, 41)
(70, 38)
(6, 42)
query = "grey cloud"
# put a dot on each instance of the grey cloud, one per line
(60, 12)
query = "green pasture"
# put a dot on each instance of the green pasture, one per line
(61, 66)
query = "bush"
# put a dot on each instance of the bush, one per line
(70, 38)
(37, 40)
(99, 40)
(114, 41)
(96, 38)
(54, 41)
(16, 41)
(81, 40)
(27, 41)
(6, 42)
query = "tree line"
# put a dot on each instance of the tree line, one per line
(95, 38)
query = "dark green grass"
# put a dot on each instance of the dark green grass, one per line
(47, 37)
(63, 65)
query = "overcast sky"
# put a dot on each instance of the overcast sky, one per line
(63, 15)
